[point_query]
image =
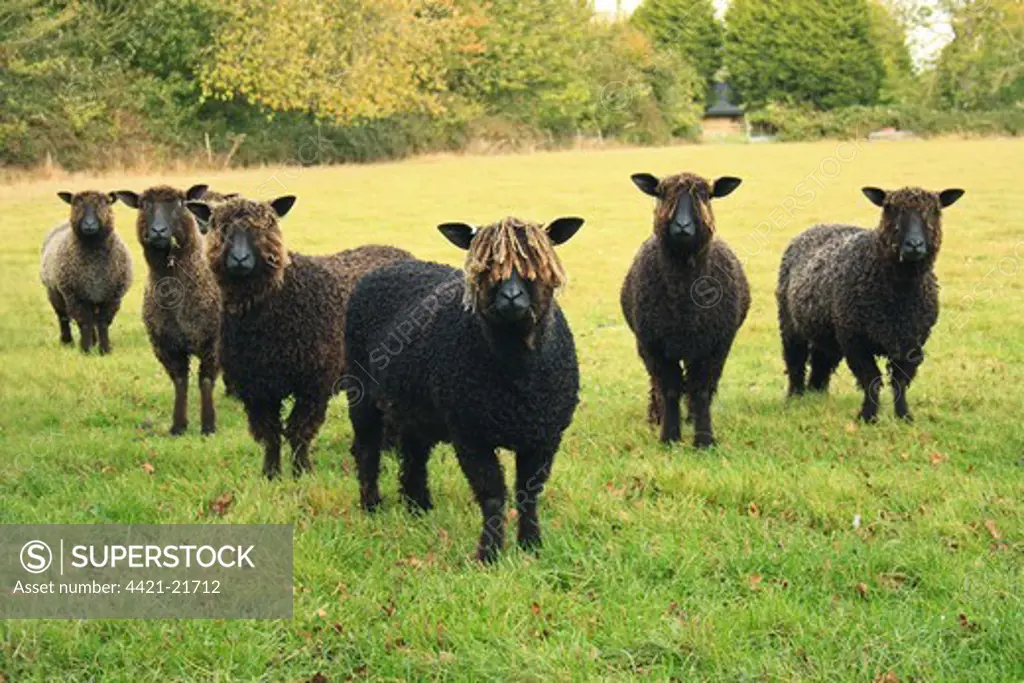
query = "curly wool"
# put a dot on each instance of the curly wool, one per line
(86, 278)
(843, 290)
(240, 296)
(181, 305)
(661, 304)
(510, 244)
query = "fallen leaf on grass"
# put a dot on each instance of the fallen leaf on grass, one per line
(318, 678)
(219, 505)
(753, 510)
(862, 590)
(966, 623)
(148, 468)
(322, 613)
(937, 458)
(887, 677)
(993, 529)
(755, 582)
(535, 608)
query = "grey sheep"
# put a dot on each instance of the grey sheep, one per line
(847, 292)
(86, 269)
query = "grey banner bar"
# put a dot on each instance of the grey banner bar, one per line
(146, 571)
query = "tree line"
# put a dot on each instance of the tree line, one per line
(94, 83)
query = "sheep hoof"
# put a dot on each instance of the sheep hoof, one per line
(207, 430)
(67, 341)
(907, 417)
(703, 441)
(418, 507)
(867, 418)
(530, 544)
(178, 430)
(487, 554)
(371, 505)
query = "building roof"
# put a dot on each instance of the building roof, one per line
(723, 105)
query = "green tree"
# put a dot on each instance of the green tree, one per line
(342, 61)
(803, 52)
(983, 67)
(688, 28)
(888, 33)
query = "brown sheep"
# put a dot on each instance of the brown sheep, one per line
(86, 269)
(182, 301)
(282, 320)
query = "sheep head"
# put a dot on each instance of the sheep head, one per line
(911, 226)
(683, 220)
(244, 246)
(164, 226)
(91, 217)
(512, 270)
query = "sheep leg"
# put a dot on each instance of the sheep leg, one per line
(86, 326)
(794, 352)
(208, 370)
(175, 362)
(862, 364)
(532, 471)
(265, 427)
(104, 317)
(414, 488)
(368, 426)
(654, 403)
(61, 309)
(902, 370)
(701, 382)
(486, 478)
(667, 375)
(304, 424)
(824, 362)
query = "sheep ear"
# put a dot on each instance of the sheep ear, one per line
(459, 234)
(196, 191)
(282, 205)
(876, 195)
(949, 197)
(231, 195)
(66, 196)
(561, 230)
(647, 183)
(128, 197)
(202, 212)
(725, 185)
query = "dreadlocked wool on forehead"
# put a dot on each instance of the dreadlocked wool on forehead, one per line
(672, 189)
(511, 244)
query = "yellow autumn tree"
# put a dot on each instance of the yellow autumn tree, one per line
(343, 61)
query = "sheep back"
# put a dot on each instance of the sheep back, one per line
(432, 368)
(835, 284)
(292, 343)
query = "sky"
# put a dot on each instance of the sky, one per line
(925, 42)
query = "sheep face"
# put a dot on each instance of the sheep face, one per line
(91, 217)
(244, 244)
(911, 226)
(683, 219)
(512, 271)
(164, 224)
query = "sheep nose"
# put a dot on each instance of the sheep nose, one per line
(512, 302)
(90, 226)
(159, 235)
(240, 262)
(679, 230)
(914, 248)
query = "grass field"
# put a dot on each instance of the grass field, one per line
(742, 563)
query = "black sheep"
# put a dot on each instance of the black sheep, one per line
(282, 320)
(684, 298)
(849, 292)
(482, 360)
